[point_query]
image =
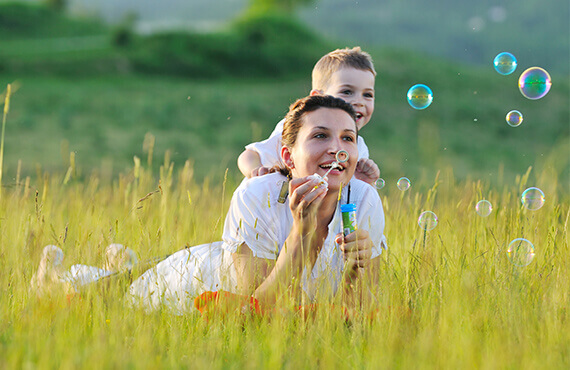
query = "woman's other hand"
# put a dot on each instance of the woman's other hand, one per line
(357, 249)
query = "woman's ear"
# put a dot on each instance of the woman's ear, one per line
(286, 157)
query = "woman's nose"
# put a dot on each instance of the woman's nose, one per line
(336, 145)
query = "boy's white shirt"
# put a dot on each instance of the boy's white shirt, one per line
(269, 150)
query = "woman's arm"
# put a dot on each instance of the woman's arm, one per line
(251, 271)
(301, 248)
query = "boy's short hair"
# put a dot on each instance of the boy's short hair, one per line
(338, 59)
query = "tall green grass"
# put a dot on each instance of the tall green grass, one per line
(449, 298)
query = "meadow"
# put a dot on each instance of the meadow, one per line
(449, 297)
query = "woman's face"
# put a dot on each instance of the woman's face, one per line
(324, 132)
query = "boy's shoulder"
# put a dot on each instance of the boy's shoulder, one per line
(278, 130)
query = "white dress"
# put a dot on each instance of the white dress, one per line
(257, 218)
(269, 150)
(80, 275)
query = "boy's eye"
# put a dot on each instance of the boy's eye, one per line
(369, 95)
(346, 92)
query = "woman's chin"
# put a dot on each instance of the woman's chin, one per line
(335, 182)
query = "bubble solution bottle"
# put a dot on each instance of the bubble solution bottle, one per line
(348, 212)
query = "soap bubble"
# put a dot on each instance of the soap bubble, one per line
(403, 183)
(483, 208)
(380, 183)
(420, 96)
(533, 198)
(520, 252)
(534, 83)
(514, 118)
(505, 63)
(427, 220)
(341, 156)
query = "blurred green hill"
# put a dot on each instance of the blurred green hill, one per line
(537, 32)
(205, 95)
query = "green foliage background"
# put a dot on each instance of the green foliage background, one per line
(100, 95)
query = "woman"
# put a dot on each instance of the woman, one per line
(274, 242)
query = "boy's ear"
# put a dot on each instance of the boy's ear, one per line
(286, 157)
(316, 92)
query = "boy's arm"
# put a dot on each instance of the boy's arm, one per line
(249, 163)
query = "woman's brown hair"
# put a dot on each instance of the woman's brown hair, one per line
(297, 110)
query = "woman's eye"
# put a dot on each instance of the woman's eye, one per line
(320, 136)
(348, 138)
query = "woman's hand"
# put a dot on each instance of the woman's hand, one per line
(305, 196)
(357, 249)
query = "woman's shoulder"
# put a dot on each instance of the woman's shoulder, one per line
(361, 191)
(262, 187)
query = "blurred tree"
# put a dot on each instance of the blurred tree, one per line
(268, 6)
(58, 5)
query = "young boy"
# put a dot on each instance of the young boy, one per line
(344, 73)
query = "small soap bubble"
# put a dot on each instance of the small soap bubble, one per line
(380, 183)
(533, 198)
(534, 83)
(520, 252)
(483, 208)
(514, 118)
(403, 183)
(505, 63)
(341, 156)
(427, 220)
(420, 96)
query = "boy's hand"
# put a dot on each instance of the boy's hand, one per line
(260, 171)
(367, 171)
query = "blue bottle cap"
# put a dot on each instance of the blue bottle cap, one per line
(350, 207)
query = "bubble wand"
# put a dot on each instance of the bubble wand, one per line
(341, 157)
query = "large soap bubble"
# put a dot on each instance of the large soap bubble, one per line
(514, 118)
(520, 252)
(505, 63)
(403, 183)
(533, 198)
(483, 208)
(380, 183)
(420, 96)
(427, 220)
(534, 83)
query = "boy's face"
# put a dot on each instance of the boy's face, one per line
(355, 86)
